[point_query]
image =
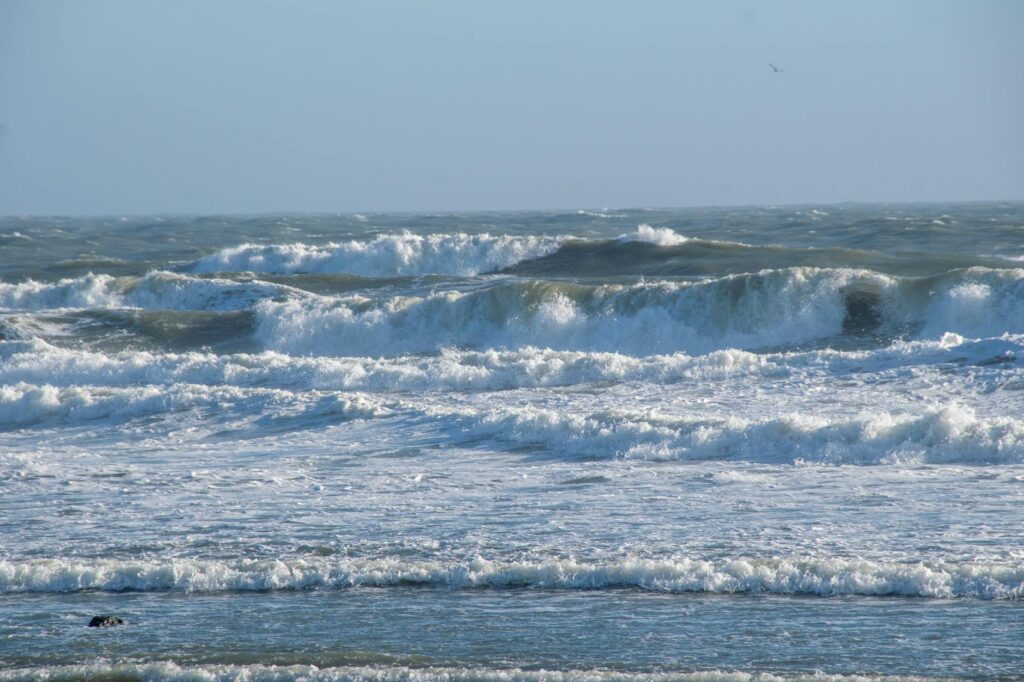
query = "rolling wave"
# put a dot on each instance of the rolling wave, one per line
(950, 434)
(768, 309)
(652, 251)
(773, 308)
(31, 405)
(35, 361)
(386, 256)
(156, 291)
(804, 576)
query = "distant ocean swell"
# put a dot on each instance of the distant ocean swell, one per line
(386, 256)
(647, 250)
(821, 577)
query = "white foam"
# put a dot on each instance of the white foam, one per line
(156, 291)
(662, 236)
(34, 361)
(979, 303)
(387, 255)
(25, 404)
(37, 362)
(950, 434)
(90, 291)
(167, 671)
(810, 576)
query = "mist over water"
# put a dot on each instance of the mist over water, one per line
(757, 418)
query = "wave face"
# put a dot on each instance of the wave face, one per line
(385, 256)
(763, 310)
(774, 576)
(596, 444)
(772, 308)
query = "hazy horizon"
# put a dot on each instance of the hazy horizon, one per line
(525, 209)
(120, 108)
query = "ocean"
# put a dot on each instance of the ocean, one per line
(752, 444)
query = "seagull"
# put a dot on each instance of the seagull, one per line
(776, 69)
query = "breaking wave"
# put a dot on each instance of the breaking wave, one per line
(660, 236)
(35, 361)
(156, 291)
(951, 434)
(773, 308)
(768, 309)
(803, 576)
(386, 256)
(23, 405)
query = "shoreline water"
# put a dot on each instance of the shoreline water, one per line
(624, 631)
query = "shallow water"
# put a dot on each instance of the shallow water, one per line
(533, 629)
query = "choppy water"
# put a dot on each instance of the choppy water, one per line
(707, 444)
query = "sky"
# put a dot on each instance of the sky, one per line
(251, 106)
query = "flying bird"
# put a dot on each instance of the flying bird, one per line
(776, 69)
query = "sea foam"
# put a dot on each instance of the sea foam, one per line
(23, 405)
(948, 434)
(808, 576)
(168, 671)
(158, 290)
(662, 236)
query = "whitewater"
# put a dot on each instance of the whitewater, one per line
(752, 444)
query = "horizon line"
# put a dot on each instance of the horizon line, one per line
(578, 209)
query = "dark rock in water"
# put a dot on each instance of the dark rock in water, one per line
(105, 621)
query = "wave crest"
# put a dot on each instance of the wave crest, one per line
(158, 290)
(388, 255)
(661, 236)
(809, 576)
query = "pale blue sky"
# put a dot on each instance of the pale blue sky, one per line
(197, 106)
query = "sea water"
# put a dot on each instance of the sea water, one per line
(700, 444)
